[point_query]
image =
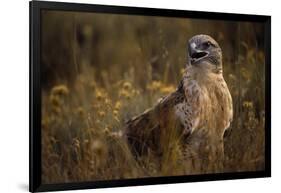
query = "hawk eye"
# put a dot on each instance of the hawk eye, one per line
(207, 44)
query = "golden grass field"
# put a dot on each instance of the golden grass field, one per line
(97, 72)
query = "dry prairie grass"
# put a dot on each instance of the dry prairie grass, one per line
(84, 111)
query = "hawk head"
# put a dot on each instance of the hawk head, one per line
(204, 51)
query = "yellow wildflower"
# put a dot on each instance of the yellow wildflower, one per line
(248, 104)
(155, 85)
(107, 101)
(106, 131)
(61, 90)
(127, 85)
(118, 105)
(115, 113)
(101, 113)
(99, 96)
(124, 93)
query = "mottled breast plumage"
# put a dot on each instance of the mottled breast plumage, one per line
(202, 105)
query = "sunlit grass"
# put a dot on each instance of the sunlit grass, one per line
(116, 71)
(82, 128)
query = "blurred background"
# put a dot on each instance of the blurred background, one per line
(98, 70)
(150, 45)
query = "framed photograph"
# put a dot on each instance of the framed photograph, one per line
(123, 96)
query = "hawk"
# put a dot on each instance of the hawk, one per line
(200, 111)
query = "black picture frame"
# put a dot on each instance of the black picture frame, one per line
(35, 95)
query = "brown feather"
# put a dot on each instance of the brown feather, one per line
(143, 132)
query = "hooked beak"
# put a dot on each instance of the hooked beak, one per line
(196, 54)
